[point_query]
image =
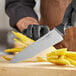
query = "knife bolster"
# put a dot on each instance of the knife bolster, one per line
(60, 28)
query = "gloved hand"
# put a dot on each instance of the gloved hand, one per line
(70, 15)
(36, 31)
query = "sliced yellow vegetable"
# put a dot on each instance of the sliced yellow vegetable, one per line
(40, 59)
(73, 62)
(52, 57)
(62, 57)
(59, 52)
(60, 61)
(6, 58)
(14, 50)
(71, 55)
(22, 37)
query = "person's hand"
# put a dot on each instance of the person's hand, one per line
(36, 31)
(24, 22)
(70, 15)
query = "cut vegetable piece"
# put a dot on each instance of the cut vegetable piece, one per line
(40, 59)
(59, 61)
(71, 55)
(22, 37)
(6, 58)
(52, 57)
(59, 52)
(14, 50)
(73, 62)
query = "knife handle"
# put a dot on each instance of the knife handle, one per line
(60, 28)
(63, 27)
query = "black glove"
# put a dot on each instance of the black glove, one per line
(70, 15)
(36, 31)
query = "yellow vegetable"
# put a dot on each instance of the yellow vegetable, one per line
(62, 57)
(40, 59)
(71, 55)
(22, 37)
(52, 57)
(6, 58)
(14, 50)
(73, 62)
(60, 61)
(59, 52)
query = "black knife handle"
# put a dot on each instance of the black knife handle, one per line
(60, 28)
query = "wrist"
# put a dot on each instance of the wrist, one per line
(25, 22)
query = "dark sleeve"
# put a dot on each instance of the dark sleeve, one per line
(17, 9)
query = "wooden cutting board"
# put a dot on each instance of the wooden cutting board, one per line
(35, 69)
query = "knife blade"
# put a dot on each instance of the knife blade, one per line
(51, 38)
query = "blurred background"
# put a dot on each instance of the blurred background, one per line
(6, 37)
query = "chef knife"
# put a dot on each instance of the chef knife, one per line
(51, 38)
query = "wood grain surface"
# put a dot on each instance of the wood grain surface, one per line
(35, 69)
(52, 12)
